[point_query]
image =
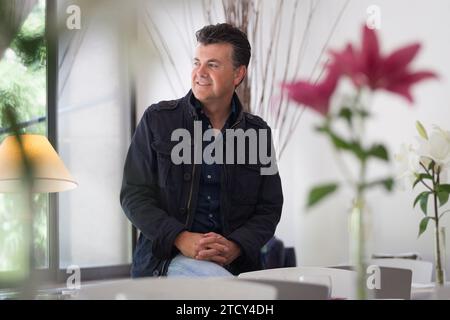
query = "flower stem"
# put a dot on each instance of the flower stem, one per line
(423, 182)
(362, 219)
(439, 270)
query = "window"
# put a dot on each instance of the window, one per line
(88, 119)
(23, 85)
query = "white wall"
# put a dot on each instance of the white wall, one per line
(320, 236)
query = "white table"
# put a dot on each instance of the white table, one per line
(428, 291)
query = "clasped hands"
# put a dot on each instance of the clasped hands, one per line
(209, 246)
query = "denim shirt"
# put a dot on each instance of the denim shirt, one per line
(207, 215)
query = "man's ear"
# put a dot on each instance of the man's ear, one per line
(239, 75)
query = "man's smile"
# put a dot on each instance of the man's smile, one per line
(203, 83)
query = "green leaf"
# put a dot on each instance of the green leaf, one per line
(443, 197)
(388, 183)
(424, 204)
(423, 225)
(342, 144)
(421, 177)
(444, 187)
(362, 113)
(339, 142)
(347, 114)
(318, 193)
(422, 198)
(378, 151)
(421, 129)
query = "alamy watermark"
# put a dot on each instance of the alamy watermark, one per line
(260, 147)
(374, 277)
(73, 21)
(73, 282)
(373, 20)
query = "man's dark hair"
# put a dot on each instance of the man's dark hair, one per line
(226, 33)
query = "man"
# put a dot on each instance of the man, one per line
(200, 219)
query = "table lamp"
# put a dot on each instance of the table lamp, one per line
(49, 172)
(27, 167)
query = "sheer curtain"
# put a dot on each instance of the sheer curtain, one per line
(12, 15)
(93, 134)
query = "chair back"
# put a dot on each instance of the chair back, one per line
(342, 281)
(394, 283)
(421, 270)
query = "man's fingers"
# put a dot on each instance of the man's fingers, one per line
(207, 254)
(218, 239)
(219, 260)
(207, 241)
(211, 234)
(219, 247)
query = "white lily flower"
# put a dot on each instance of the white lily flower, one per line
(408, 165)
(436, 148)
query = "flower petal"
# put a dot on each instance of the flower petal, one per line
(402, 84)
(315, 96)
(370, 53)
(398, 60)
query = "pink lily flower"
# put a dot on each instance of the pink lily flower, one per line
(315, 96)
(368, 67)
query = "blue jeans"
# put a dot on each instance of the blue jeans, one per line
(182, 266)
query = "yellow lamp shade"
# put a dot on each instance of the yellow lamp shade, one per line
(49, 173)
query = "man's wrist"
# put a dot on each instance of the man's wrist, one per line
(236, 248)
(179, 240)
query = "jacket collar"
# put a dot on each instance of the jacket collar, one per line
(191, 103)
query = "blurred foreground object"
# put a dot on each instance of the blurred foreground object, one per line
(49, 172)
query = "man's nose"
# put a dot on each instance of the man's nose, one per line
(201, 71)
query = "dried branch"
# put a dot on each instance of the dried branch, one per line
(160, 51)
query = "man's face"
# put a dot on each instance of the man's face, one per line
(214, 77)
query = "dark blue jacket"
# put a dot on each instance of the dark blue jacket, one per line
(159, 197)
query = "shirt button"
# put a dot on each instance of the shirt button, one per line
(209, 176)
(156, 273)
(210, 215)
(182, 210)
(187, 176)
(209, 198)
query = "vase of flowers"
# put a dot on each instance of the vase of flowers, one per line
(426, 165)
(343, 123)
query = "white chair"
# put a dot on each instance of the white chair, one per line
(421, 270)
(289, 290)
(342, 281)
(176, 289)
(395, 283)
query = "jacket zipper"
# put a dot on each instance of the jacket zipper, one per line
(192, 184)
(225, 226)
(190, 195)
(188, 207)
(235, 124)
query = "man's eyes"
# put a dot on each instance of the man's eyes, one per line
(211, 65)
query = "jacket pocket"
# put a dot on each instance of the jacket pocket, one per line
(246, 183)
(164, 162)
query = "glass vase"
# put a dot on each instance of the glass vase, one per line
(439, 255)
(360, 227)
